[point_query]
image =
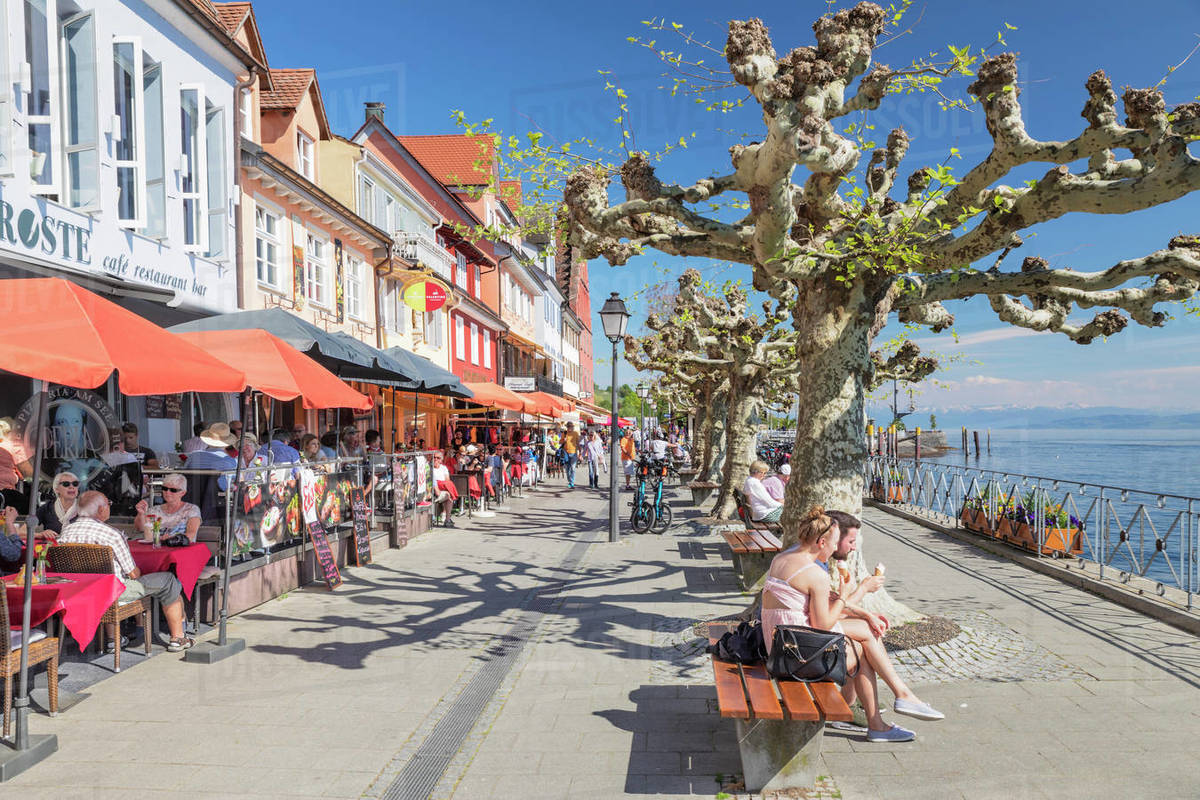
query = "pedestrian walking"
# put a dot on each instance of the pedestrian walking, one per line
(595, 458)
(570, 444)
(628, 455)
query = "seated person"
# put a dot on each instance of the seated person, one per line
(12, 542)
(776, 483)
(763, 507)
(310, 448)
(797, 592)
(89, 528)
(53, 514)
(278, 451)
(442, 496)
(373, 442)
(174, 515)
(216, 438)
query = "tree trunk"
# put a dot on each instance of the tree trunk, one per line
(829, 451)
(701, 445)
(739, 450)
(715, 443)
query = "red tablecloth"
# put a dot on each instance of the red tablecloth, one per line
(83, 602)
(188, 561)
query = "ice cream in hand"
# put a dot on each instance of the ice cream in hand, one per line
(879, 569)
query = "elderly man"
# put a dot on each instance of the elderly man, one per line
(777, 482)
(216, 438)
(351, 443)
(89, 528)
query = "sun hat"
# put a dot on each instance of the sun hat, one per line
(218, 435)
(250, 439)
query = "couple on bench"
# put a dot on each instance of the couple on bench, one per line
(798, 592)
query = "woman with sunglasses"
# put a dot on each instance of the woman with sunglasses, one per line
(174, 516)
(53, 514)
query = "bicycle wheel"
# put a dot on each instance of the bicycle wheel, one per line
(642, 518)
(662, 519)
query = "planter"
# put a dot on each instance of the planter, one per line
(702, 491)
(1067, 541)
(898, 494)
(973, 519)
(877, 492)
(1018, 533)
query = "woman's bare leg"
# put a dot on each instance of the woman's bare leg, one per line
(868, 692)
(876, 655)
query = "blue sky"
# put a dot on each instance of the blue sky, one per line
(535, 65)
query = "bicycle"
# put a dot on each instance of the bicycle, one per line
(650, 515)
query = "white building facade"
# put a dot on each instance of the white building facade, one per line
(117, 149)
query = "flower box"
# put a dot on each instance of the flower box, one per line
(973, 519)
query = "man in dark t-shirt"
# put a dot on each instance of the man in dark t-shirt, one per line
(129, 440)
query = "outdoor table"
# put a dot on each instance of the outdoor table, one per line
(188, 561)
(82, 602)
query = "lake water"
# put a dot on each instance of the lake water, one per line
(1155, 461)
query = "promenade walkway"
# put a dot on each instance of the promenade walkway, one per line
(524, 656)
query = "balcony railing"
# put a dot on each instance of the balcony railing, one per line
(425, 251)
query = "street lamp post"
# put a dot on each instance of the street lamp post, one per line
(615, 318)
(643, 391)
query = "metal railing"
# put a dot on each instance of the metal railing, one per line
(1129, 536)
(421, 249)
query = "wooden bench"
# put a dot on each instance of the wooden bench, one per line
(752, 554)
(686, 475)
(743, 510)
(779, 723)
(702, 490)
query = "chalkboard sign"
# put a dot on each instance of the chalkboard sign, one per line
(362, 534)
(325, 558)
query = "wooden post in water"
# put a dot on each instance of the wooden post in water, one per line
(966, 450)
(976, 443)
(989, 441)
(917, 444)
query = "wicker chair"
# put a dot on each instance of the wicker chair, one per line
(98, 559)
(45, 649)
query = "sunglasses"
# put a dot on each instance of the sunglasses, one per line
(68, 483)
(171, 489)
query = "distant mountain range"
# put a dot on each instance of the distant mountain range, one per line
(1013, 417)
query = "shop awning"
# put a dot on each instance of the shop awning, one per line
(57, 331)
(549, 405)
(277, 369)
(491, 394)
(340, 354)
(433, 379)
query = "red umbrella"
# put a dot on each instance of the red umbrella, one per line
(277, 369)
(56, 331)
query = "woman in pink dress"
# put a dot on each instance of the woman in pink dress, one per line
(797, 592)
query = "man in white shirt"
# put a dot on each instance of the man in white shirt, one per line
(776, 483)
(763, 507)
(658, 444)
(89, 527)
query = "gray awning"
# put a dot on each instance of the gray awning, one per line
(434, 379)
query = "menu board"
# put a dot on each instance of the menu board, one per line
(269, 509)
(164, 406)
(362, 534)
(324, 554)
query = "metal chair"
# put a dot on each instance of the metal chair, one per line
(40, 649)
(97, 559)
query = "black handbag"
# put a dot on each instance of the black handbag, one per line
(742, 645)
(177, 540)
(800, 653)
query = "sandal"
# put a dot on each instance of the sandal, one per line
(176, 645)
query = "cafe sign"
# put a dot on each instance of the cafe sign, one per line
(425, 294)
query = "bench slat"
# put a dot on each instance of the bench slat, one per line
(761, 541)
(829, 698)
(771, 539)
(748, 542)
(734, 542)
(798, 701)
(730, 695)
(763, 702)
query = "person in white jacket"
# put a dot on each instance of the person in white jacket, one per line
(763, 507)
(594, 453)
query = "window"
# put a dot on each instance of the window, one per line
(41, 106)
(247, 106)
(304, 156)
(129, 132)
(459, 349)
(460, 271)
(316, 270)
(267, 247)
(474, 343)
(354, 288)
(214, 178)
(192, 168)
(81, 136)
(388, 223)
(395, 313)
(366, 198)
(478, 288)
(487, 348)
(433, 328)
(156, 165)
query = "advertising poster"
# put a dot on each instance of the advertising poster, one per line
(271, 506)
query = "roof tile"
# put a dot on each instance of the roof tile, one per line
(452, 158)
(290, 86)
(231, 15)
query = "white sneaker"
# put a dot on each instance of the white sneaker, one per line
(917, 709)
(892, 734)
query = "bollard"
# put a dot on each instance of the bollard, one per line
(989, 441)
(870, 439)
(917, 444)
(976, 443)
